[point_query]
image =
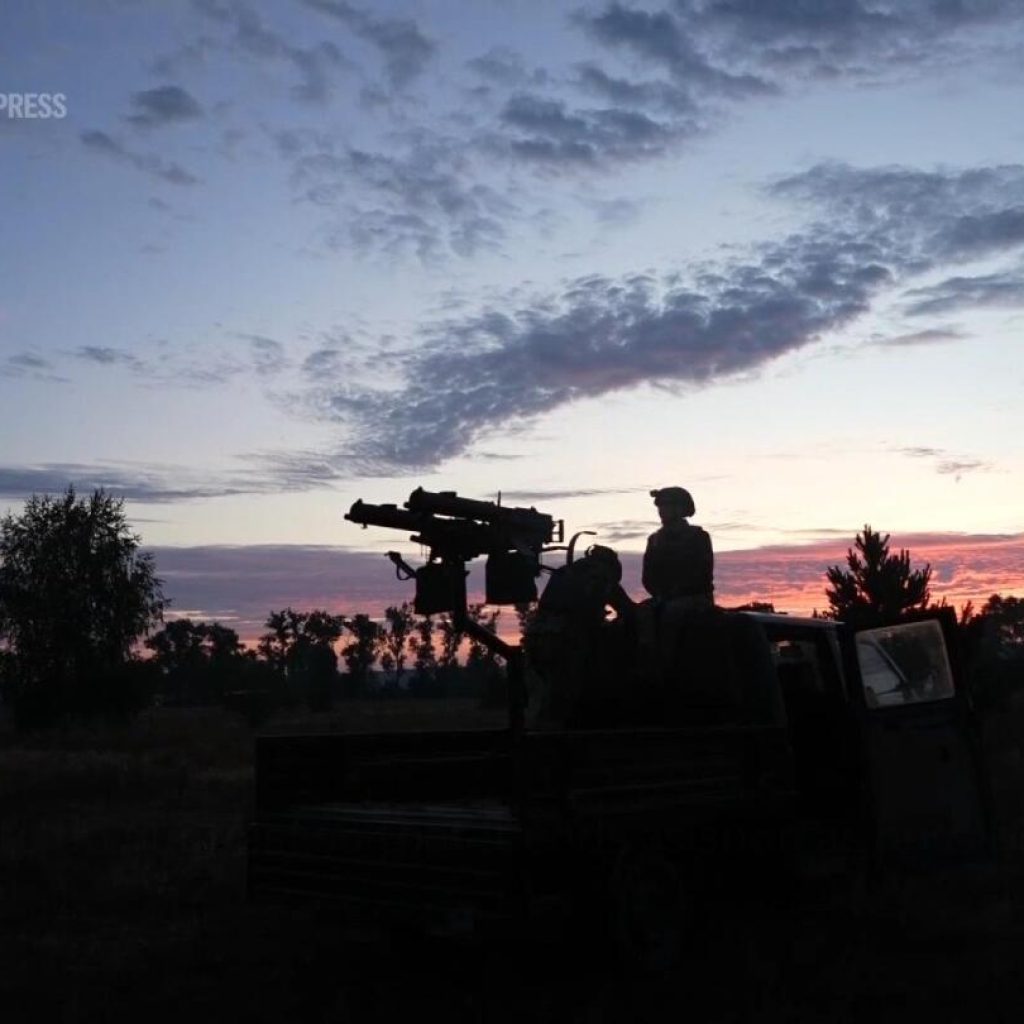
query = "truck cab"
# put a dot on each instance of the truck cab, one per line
(880, 716)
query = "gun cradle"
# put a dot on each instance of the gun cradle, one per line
(457, 530)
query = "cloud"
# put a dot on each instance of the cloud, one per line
(404, 48)
(294, 470)
(623, 531)
(601, 335)
(172, 173)
(956, 293)
(504, 67)
(267, 356)
(162, 365)
(251, 36)
(323, 362)
(565, 494)
(432, 188)
(923, 218)
(933, 336)
(137, 483)
(105, 356)
(268, 473)
(545, 130)
(953, 467)
(509, 363)
(134, 484)
(29, 364)
(627, 92)
(740, 49)
(423, 199)
(669, 73)
(946, 463)
(920, 452)
(662, 39)
(243, 584)
(167, 104)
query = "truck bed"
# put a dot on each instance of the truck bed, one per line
(446, 830)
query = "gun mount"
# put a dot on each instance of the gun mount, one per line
(457, 530)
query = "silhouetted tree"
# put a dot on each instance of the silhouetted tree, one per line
(180, 657)
(221, 643)
(283, 630)
(451, 641)
(76, 594)
(398, 622)
(198, 662)
(421, 647)
(320, 627)
(1004, 617)
(301, 646)
(361, 652)
(525, 614)
(993, 642)
(313, 664)
(876, 585)
(178, 646)
(478, 653)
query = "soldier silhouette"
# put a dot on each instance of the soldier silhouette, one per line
(572, 642)
(679, 562)
(678, 573)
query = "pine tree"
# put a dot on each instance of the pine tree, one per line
(877, 586)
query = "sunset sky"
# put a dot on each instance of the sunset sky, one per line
(280, 256)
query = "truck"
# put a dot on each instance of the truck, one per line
(785, 747)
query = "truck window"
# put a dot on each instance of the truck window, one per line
(798, 666)
(905, 664)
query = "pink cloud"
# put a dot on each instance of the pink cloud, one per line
(240, 585)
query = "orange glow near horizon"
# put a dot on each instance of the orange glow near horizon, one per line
(791, 577)
(964, 568)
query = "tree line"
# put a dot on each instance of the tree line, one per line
(297, 658)
(78, 598)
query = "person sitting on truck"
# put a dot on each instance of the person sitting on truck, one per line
(678, 572)
(679, 561)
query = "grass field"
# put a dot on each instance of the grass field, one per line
(122, 855)
(122, 898)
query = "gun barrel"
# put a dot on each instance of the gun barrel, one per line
(536, 525)
(390, 516)
(445, 537)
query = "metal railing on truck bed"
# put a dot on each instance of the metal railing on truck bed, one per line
(436, 827)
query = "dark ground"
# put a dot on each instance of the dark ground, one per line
(122, 898)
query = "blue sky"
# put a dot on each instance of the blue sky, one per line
(279, 256)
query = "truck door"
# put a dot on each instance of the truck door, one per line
(921, 759)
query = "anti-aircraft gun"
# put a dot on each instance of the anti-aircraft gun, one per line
(457, 530)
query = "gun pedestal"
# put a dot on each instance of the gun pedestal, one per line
(513, 655)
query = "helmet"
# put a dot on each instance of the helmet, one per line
(606, 557)
(674, 496)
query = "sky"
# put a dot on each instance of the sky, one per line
(275, 257)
